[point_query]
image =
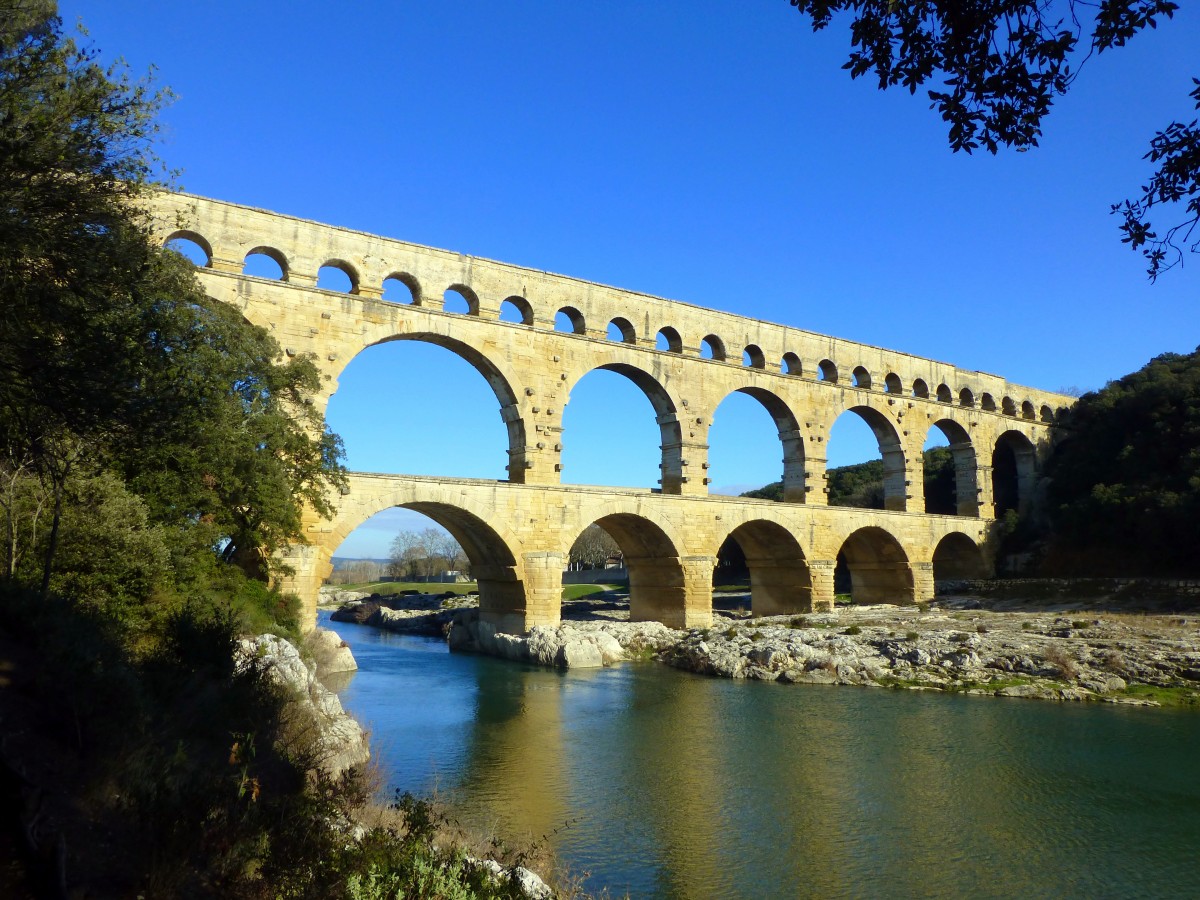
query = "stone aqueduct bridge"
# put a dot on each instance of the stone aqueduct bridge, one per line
(518, 532)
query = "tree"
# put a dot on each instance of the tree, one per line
(1002, 63)
(111, 356)
(1124, 485)
(593, 548)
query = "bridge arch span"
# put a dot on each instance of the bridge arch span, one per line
(496, 554)
(791, 436)
(657, 582)
(780, 581)
(966, 465)
(1014, 471)
(495, 371)
(878, 567)
(891, 448)
(957, 555)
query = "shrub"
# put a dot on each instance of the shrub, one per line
(981, 628)
(911, 636)
(923, 607)
(1062, 661)
(852, 630)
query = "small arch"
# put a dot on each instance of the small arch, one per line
(400, 287)
(892, 383)
(668, 340)
(780, 581)
(943, 393)
(337, 275)
(860, 377)
(1009, 406)
(461, 300)
(1061, 414)
(712, 347)
(1027, 411)
(920, 389)
(265, 262)
(752, 357)
(192, 247)
(878, 568)
(957, 557)
(621, 330)
(516, 309)
(790, 365)
(966, 398)
(569, 320)
(1046, 414)
(987, 402)
(827, 371)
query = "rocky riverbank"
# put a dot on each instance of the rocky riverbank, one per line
(1047, 649)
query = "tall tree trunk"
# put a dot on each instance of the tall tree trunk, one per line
(52, 548)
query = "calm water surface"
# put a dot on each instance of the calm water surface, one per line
(664, 784)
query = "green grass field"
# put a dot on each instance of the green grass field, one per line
(570, 591)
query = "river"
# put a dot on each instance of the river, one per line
(665, 784)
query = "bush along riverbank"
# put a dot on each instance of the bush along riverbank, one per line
(1051, 649)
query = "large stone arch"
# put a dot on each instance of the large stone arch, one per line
(666, 416)
(1014, 472)
(496, 554)
(879, 567)
(966, 465)
(791, 437)
(958, 556)
(657, 584)
(495, 372)
(891, 448)
(780, 581)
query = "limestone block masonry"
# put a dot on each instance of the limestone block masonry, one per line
(518, 532)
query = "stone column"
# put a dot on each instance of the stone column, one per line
(674, 591)
(684, 459)
(779, 589)
(793, 466)
(884, 582)
(543, 588)
(816, 490)
(821, 573)
(310, 566)
(923, 584)
(697, 586)
(986, 506)
(966, 485)
(502, 598)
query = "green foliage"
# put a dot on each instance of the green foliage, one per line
(1124, 491)
(852, 630)
(1001, 66)
(861, 485)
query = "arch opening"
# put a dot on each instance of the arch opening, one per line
(611, 399)
(621, 331)
(265, 262)
(668, 340)
(858, 480)
(768, 558)
(400, 287)
(1014, 472)
(875, 569)
(747, 461)
(401, 401)
(827, 371)
(860, 377)
(569, 320)
(460, 300)
(966, 398)
(657, 591)
(337, 275)
(987, 402)
(791, 365)
(752, 357)
(944, 395)
(957, 558)
(951, 480)
(712, 347)
(439, 544)
(1046, 414)
(192, 247)
(1008, 406)
(892, 383)
(920, 389)
(1027, 411)
(516, 310)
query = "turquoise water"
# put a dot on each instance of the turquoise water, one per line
(664, 784)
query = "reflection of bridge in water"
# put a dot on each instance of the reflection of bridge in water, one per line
(518, 533)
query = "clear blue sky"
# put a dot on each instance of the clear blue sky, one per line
(712, 152)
